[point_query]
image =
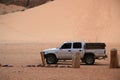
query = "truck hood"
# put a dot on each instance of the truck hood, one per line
(50, 49)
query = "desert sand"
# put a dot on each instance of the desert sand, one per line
(21, 55)
(24, 34)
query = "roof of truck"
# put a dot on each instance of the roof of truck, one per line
(72, 41)
(84, 42)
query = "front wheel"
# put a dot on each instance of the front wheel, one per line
(51, 59)
(89, 59)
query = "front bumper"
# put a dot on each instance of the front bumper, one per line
(105, 56)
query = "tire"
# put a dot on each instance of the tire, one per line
(51, 59)
(89, 59)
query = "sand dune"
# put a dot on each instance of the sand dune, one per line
(64, 20)
(58, 21)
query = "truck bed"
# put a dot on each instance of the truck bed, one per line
(95, 46)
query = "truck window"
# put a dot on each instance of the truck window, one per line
(77, 45)
(66, 46)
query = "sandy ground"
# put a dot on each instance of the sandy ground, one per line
(21, 55)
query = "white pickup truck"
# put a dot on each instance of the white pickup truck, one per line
(88, 52)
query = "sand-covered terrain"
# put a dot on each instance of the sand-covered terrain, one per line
(19, 56)
(24, 34)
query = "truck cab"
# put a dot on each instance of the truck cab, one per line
(68, 50)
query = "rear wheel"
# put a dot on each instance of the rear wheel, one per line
(51, 59)
(89, 59)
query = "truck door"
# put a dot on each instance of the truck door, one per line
(65, 51)
(77, 47)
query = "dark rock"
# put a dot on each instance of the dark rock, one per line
(39, 65)
(31, 66)
(25, 3)
(6, 65)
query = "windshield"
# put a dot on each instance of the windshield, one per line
(66, 46)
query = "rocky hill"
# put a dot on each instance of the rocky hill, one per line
(25, 3)
(10, 6)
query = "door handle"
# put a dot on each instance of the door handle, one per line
(80, 50)
(69, 50)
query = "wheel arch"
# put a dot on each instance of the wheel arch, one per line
(89, 53)
(50, 54)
